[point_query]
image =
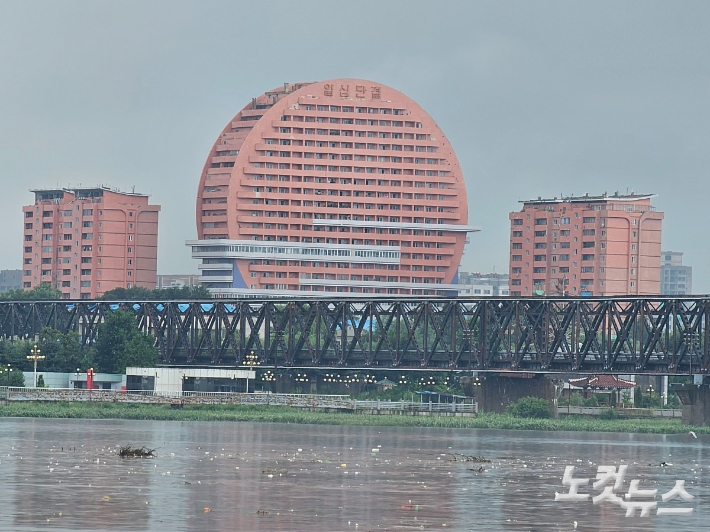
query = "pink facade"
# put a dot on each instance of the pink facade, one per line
(596, 246)
(337, 186)
(87, 241)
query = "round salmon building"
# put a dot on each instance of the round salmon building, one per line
(340, 186)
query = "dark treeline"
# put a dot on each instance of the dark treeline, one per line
(45, 293)
(119, 344)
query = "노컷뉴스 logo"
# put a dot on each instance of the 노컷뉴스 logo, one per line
(610, 481)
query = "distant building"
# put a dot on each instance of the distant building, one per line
(10, 280)
(676, 279)
(339, 186)
(483, 284)
(178, 281)
(87, 241)
(586, 246)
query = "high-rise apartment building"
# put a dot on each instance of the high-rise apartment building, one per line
(337, 186)
(87, 241)
(10, 280)
(676, 279)
(586, 246)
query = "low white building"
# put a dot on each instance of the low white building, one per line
(76, 379)
(178, 380)
(483, 285)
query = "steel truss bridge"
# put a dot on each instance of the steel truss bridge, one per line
(613, 335)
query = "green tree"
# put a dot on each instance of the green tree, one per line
(40, 381)
(11, 377)
(38, 293)
(138, 293)
(128, 294)
(15, 354)
(530, 407)
(185, 292)
(63, 352)
(120, 343)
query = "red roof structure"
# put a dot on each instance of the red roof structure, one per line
(601, 382)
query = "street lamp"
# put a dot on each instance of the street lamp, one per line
(252, 359)
(650, 392)
(7, 370)
(35, 357)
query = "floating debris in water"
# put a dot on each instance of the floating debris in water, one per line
(465, 458)
(128, 451)
(270, 471)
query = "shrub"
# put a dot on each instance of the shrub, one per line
(592, 401)
(530, 407)
(608, 414)
(576, 399)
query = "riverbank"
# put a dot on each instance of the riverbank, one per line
(275, 414)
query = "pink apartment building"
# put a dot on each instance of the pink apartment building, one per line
(87, 241)
(344, 185)
(589, 245)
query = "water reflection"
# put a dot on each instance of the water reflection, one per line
(65, 475)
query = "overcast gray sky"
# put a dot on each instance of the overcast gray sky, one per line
(537, 98)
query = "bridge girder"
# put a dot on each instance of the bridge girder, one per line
(614, 335)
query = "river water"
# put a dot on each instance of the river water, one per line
(64, 475)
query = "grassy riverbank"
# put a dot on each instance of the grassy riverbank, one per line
(274, 414)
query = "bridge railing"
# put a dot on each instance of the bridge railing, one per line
(340, 402)
(12, 393)
(621, 412)
(415, 406)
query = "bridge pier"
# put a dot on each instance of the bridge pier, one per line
(497, 390)
(696, 403)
